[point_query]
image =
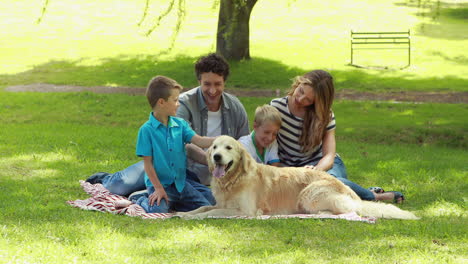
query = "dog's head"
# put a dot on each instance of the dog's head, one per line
(224, 156)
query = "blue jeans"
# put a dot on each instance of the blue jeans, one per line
(339, 171)
(193, 180)
(126, 181)
(187, 200)
(132, 179)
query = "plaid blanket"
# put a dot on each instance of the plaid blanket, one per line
(104, 201)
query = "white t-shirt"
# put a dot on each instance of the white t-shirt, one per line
(214, 124)
(271, 152)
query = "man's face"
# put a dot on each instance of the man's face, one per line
(212, 86)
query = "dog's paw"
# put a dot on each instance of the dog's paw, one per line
(185, 215)
(181, 214)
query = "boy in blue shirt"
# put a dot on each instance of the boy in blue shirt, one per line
(161, 143)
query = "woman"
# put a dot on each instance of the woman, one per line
(307, 133)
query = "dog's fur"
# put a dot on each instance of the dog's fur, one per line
(242, 186)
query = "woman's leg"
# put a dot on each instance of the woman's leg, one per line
(127, 181)
(339, 171)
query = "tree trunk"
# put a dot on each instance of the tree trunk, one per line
(232, 39)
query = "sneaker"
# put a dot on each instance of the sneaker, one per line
(133, 197)
(97, 177)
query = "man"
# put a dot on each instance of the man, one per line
(210, 112)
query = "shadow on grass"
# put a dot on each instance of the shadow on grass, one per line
(258, 73)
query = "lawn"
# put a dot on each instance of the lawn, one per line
(99, 43)
(48, 142)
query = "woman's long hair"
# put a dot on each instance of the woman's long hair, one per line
(319, 114)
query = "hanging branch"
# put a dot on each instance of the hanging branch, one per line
(215, 4)
(44, 8)
(180, 19)
(145, 13)
(158, 20)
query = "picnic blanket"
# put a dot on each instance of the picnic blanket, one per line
(104, 201)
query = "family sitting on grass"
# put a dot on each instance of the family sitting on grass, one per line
(296, 130)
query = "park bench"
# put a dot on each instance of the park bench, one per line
(380, 40)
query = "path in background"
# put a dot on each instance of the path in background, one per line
(411, 96)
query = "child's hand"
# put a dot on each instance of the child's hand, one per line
(312, 167)
(158, 195)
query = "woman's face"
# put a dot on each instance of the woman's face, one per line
(303, 96)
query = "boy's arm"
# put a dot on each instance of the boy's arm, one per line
(159, 192)
(196, 154)
(276, 164)
(202, 142)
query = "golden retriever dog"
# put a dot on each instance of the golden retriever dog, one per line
(242, 186)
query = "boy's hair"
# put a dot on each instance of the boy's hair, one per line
(212, 63)
(267, 113)
(160, 87)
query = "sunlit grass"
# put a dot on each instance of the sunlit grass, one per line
(45, 152)
(99, 43)
(444, 208)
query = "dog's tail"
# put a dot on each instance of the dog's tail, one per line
(383, 210)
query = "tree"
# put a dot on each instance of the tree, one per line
(233, 34)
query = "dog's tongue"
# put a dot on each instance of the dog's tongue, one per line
(219, 172)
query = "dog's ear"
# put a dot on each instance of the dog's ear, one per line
(246, 159)
(208, 158)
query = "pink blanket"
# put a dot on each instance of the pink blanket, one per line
(104, 201)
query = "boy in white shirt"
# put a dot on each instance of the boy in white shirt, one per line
(261, 143)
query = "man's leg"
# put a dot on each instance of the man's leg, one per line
(126, 181)
(190, 199)
(192, 179)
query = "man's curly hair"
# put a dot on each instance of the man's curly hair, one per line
(212, 63)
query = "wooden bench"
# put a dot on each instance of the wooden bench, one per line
(380, 40)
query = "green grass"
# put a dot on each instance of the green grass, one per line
(50, 141)
(99, 43)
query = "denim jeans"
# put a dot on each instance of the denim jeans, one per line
(193, 180)
(339, 171)
(132, 179)
(187, 200)
(126, 181)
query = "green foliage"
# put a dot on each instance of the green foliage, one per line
(50, 141)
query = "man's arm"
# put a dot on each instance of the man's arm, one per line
(196, 154)
(242, 125)
(184, 113)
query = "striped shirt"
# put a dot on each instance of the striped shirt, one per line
(289, 149)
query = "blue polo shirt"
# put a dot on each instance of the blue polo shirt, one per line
(167, 147)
